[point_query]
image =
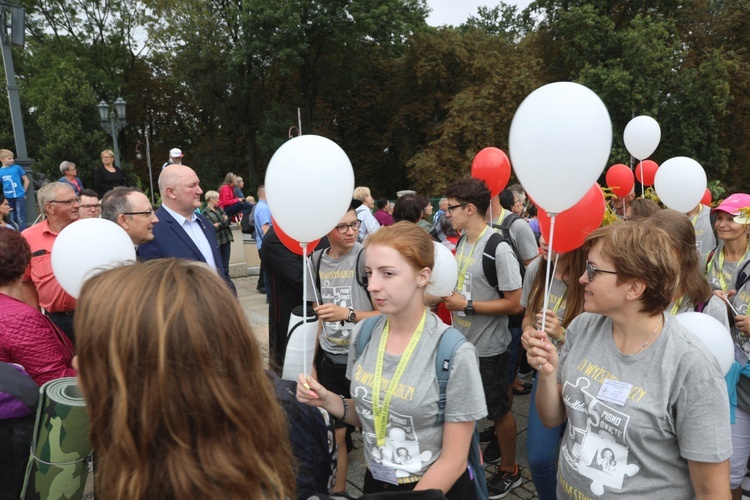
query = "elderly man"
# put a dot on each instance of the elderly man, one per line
(90, 207)
(175, 158)
(70, 176)
(59, 203)
(131, 210)
(181, 232)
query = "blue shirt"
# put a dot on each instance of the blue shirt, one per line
(12, 178)
(261, 216)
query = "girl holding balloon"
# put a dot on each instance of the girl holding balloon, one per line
(565, 303)
(632, 379)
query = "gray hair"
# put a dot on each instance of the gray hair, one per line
(115, 202)
(211, 195)
(48, 192)
(65, 166)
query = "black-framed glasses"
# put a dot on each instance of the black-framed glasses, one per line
(94, 206)
(149, 213)
(343, 228)
(66, 202)
(591, 271)
(450, 208)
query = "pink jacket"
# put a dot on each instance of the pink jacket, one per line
(226, 196)
(30, 339)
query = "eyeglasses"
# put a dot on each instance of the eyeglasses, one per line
(148, 213)
(72, 201)
(343, 228)
(591, 271)
(450, 208)
(94, 206)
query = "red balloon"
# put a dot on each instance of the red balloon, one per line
(573, 225)
(706, 200)
(649, 172)
(292, 244)
(620, 179)
(493, 167)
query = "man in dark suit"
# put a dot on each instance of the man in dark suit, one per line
(182, 232)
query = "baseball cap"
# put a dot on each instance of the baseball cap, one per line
(175, 153)
(734, 203)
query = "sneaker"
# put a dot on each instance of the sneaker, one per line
(503, 482)
(491, 454)
(487, 435)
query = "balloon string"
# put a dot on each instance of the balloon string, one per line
(304, 307)
(643, 186)
(547, 286)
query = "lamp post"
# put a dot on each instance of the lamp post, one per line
(139, 155)
(113, 121)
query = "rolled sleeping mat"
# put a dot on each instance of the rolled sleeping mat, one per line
(57, 466)
(300, 339)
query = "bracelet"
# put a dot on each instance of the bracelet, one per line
(561, 337)
(346, 407)
(530, 323)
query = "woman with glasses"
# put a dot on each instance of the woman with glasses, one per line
(565, 304)
(394, 387)
(70, 176)
(108, 175)
(631, 379)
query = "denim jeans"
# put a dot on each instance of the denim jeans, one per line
(18, 214)
(543, 446)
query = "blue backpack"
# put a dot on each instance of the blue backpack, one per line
(449, 342)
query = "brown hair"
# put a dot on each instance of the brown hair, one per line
(229, 179)
(15, 255)
(643, 252)
(410, 240)
(643, 207)
(692, 281)
(574, 265)
(179, 403)
(471, 190)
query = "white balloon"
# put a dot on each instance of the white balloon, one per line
(559, 144)
(712, 334)
(444, 273)
(680, 183)
(642, 136)
(87, 247)
(309, 167)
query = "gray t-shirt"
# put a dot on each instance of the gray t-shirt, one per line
(713, 274)
(522, 236)
(338, 285)
(715, 307)
(741, 301)
(557, 291)
(676, 409)
(705, 241)
(413, 440)
(490, 334)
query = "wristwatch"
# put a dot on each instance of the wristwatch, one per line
(469, 309)
(352, 315)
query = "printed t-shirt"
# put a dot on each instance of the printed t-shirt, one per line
(413, 441)
(716, 276)
(338, 285)
(490, 334)
(675, 410)
(12, 178)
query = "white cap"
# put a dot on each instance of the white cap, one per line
(175, 153)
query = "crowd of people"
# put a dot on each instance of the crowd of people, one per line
(625, 401)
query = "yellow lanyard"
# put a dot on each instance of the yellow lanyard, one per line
(501, 217)
(380, 413)
(695, 217)
(465, 259)
(722, 283)
(676, 306)
(559, 302)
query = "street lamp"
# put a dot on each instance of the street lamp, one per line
(139, 155)
(113, 121)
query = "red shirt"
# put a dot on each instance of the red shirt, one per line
(51, 295)
(226, 196)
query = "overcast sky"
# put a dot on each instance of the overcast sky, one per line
(455, 12)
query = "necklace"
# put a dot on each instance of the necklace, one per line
(658, 323)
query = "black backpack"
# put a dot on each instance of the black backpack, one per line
(488, 263)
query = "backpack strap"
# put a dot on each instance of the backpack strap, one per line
(448, 344)
(700, 306)
(742, 276)
(365, 333)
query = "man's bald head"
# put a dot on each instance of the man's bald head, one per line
(180, 189)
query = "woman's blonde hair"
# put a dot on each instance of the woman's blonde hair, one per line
(107, 152)
(211, 195)
(229, 179)
(179, 403)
